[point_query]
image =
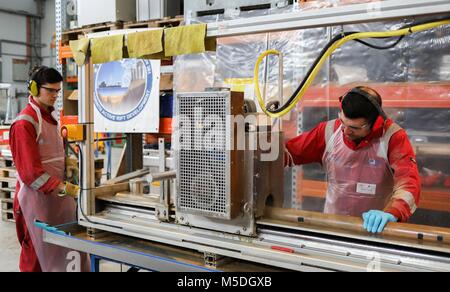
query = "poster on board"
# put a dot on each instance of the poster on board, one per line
(126, 96)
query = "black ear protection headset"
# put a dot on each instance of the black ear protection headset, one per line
(33, 85)
(367, 96)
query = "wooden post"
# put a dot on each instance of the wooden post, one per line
(86, 117)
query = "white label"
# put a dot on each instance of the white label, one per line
(367, 189)
(6, 135)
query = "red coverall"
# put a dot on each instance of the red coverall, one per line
(310, 148)
(29, 167)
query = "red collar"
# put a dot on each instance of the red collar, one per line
(378, 131)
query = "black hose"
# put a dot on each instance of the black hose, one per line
(80, 201)
(311, 69)
(393, 45)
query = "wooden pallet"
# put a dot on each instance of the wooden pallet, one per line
(8, 181)
(7, 190)
(10, 172)
(6, 162)
(7, 210)
(75, 34)
(6, 193)
(8, 216)
(166, 22)
(7, 204)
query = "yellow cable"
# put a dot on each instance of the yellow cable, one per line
(362, 35)
(256, 79)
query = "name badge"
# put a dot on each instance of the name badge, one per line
(367, 189)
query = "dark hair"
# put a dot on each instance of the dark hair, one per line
(356, 106)
(45, 75)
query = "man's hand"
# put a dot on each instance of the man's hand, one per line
(375, 221)
(68, 189)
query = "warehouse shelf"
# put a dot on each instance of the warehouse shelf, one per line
(64, 53)
(432, 198)
(72, 79)
(399, 95)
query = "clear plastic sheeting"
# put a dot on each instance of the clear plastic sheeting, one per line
(194, 73)
(412, 77)
(355, 62)
(236, 61)
(427, 52)
(300, 49)
(236, 56)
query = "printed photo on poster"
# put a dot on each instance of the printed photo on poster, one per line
(127, 96)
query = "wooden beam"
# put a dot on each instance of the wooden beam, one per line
(127, 177)
(355, 224)
(112, 189)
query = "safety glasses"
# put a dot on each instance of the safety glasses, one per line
(52, 90)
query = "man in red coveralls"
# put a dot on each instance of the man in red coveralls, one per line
(39, 157)
(369, 161)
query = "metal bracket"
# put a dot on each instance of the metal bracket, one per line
(163, 210)
(215, 261)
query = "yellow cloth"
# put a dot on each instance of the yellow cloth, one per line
(79, 49)
(157, 56)
(107, 49)
(211, 44)
(184, 40)
(145, 43)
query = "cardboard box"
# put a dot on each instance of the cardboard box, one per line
(111, 11)
(166, 82)
(73, 95)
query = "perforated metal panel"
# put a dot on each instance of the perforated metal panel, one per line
(60, 18)
(203, 162)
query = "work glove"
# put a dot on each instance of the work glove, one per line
(71, 168)
(375, 221)
(70, 190)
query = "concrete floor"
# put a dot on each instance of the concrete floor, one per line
(10, 252)
(9, 248)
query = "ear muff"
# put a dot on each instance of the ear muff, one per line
(33, 88)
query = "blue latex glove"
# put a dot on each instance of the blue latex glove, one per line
(49, 228)
(375, 221)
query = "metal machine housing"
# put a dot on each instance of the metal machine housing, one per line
(227, 186)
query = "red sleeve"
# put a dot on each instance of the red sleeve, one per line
(308, 147)
(26, 156)
(407, 186)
